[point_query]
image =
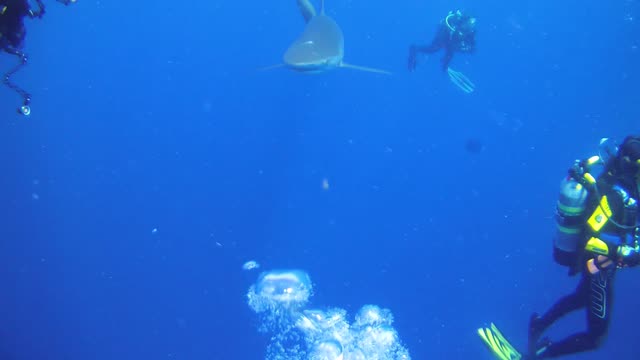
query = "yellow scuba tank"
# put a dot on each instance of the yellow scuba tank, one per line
(570, 210)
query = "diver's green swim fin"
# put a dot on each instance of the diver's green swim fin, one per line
(461, 81)
(498, 345)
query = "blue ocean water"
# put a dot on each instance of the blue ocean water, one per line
(159, 159)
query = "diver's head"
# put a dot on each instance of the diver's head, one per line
(467, 24)
(460, 23)
(628, 158)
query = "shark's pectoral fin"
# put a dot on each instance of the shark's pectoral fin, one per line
(364, 68)
(307, 9)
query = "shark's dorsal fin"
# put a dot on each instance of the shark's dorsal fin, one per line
(306, 9)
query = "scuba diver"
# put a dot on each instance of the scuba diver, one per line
(456, 33)
(598, 232)
(12, 36)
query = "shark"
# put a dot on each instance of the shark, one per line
(320, 47)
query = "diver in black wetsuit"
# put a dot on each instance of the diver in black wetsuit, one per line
(12, 32)
(456, 33)
(598, 233)
(12, 36)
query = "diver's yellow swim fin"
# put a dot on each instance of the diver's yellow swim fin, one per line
(498, 345)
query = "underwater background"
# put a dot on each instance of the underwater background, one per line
(159, 159)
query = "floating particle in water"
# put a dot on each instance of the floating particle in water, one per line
(154, 230)
(35, 196)
(250, 265)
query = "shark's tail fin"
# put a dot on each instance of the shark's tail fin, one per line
(364, 68)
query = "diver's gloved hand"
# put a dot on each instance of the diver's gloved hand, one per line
(628, 256)
(412, 62)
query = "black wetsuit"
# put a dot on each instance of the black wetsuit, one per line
(12, 30)
(594, 292)
(447, 39)
(12, 36)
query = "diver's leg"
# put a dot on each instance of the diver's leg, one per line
(599, 300)
(428, 49)
(446, 59)
(436, 44)
(414, 50)
(567, 304)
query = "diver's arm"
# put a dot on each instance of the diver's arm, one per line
(439, 41)
(597, 263)
(37, 11)
(428, 49)
(471, 40)
(604, 254)
(628, 256)
(600, 254)
(415, 49)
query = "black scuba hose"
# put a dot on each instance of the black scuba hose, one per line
(577, 172)
(610, 218)
(26, 97)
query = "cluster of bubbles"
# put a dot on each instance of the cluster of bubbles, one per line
(280, 299)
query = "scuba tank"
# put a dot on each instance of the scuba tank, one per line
(572, 224)
(570, 209)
